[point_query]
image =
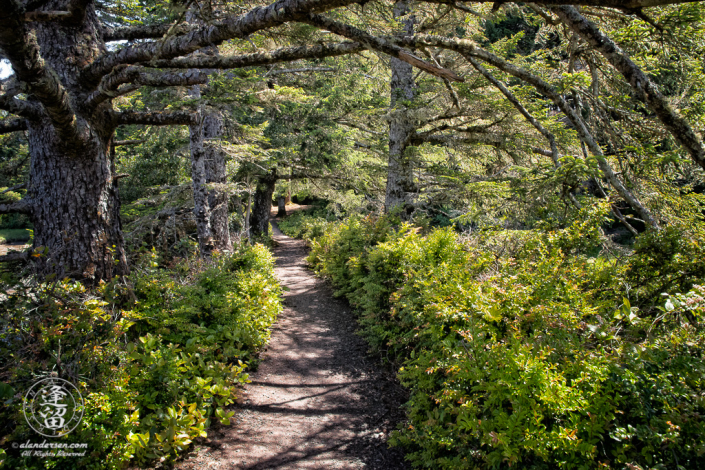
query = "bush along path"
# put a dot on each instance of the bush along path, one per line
(316, 400)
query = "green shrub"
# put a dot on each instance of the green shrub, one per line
(670, 260)
(527, 351)
(14, 221)
(301, 225)
(157, 356)
(10, 235)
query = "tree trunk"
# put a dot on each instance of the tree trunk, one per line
(73, 194)
(216, 173)
(214, 159)
(248, 211)
(262, 205)
(281, 209)
(400, 176)
(236, 204)
(75, 210)
(288, 186)
(201, 207)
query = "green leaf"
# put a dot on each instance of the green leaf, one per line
(6, 391)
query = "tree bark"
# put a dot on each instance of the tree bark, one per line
(281, 206)
(230, 27)
(216, 172)
(213, 158)
(236, 203)
(382, 45)
(619, 4)
(201, 207)
(284, 54)
(75, 210)
(248, 212)
(72, 191)
(12, 125)
(262, 205)
(400, 176)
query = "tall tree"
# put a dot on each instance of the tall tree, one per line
(65, 79)
(400, 173)
(208, 163)
(61, 64)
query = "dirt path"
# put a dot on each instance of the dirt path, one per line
(8, 247)
(316, 401)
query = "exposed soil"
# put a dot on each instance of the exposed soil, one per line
(317, 400)
(8, 247)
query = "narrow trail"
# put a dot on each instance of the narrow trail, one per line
(316, 400)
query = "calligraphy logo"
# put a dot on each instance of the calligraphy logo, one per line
(53, 407)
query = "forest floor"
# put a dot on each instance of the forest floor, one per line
(317, 401)
(5, 248)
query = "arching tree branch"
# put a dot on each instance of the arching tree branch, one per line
(155, 118)
(74, 15)
(139, 76)
(118, 143)
(9, 89)
(46, 16)
(621, 4)
(14, 188)
(379, 44)
(470, 138)
(15, 256)
(302, 70)
(259, 18)
(12, 125)
(469, 49)
(19, 107)
(642, 86)
(17, 207)
(130, 33)
(456, 5)
(286, 54)
(524, 112)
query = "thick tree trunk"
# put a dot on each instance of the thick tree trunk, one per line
(400, 176)
(75, 210)
(72, 187)
(262, 205)
(216, 173)
(201, 208)
(213, 158)
(281, 206)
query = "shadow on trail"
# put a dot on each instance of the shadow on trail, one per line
(316, 400)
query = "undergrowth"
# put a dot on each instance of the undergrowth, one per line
(523, 349)
(157, 356)
(303, 224)
(11, 235)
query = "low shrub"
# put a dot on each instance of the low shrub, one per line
(157, 356)
(532, 353)
(302, 225)
(13, 221)
(12, 235)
